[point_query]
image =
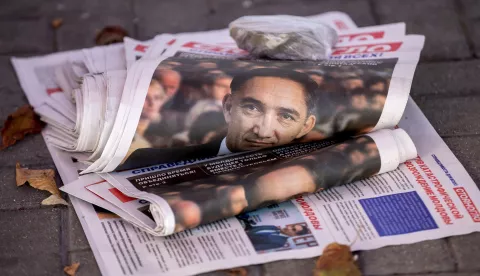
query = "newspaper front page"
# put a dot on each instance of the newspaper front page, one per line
(430, 197)
(435, 182)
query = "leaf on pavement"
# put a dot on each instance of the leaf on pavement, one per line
(41, 180)
(110, 35)
(237, 271)
(21, 122)
(54, 200)
(57, 22)
(336, 260)
(71, 269)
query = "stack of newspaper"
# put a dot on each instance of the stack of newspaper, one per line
(189, 137)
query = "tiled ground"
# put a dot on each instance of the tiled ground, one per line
(37, 240)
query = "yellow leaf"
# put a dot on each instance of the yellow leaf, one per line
(38, 179)
(41, 180)
(71, 269)
(336, 260)
(54, 200)
(237, 271)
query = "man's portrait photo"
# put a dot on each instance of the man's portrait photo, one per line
(202, 108)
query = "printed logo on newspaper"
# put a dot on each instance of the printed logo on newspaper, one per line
(51, 91)
(121, 196)
(368, 48)
(141, 48)
(360, 37)
(468, 203)
(340, 25)
(214, 48)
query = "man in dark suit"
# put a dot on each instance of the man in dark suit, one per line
(266, 237)
(267, 107)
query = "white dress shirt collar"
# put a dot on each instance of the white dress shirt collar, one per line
(223, 148)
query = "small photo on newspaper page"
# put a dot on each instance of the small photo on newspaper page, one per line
(278, 227)
(204, 107)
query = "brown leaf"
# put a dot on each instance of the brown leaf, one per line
(237, 271)
(38, 179)
(71, 269)
(336, 260)
(41, 180)
(57, 22)
(54, 200)
(110, 35)
(18, 124)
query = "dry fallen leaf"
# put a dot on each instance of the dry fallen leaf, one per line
(57, 22)
(18, 124)
(110, 34)
(54, 200)
(71, 269)
(237, 271)
(336, 260)
(41, 180)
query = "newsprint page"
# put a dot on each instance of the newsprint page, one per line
(429, 197)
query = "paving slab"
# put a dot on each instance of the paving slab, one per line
(436, 19)
(290, 267)
(12, 99)
(33, 36)
(29, 151)
(76, 236)
(253, 270)
(447, 79)
(23, 9)
(466, 250)
(467, 150)
(452, 116)
(470, 11)
(9, 78)
(225, 11)
(88, 264)
(30, 244)
(79, 29)
(169, 16)
(423, 257)
(448, 274)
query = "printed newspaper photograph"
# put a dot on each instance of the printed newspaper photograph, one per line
(200, 108)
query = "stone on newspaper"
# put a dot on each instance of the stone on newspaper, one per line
(283, 37)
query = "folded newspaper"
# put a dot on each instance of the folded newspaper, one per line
(232, 157)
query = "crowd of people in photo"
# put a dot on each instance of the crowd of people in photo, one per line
(183, 105)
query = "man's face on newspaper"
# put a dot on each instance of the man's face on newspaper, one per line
(266, 112)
